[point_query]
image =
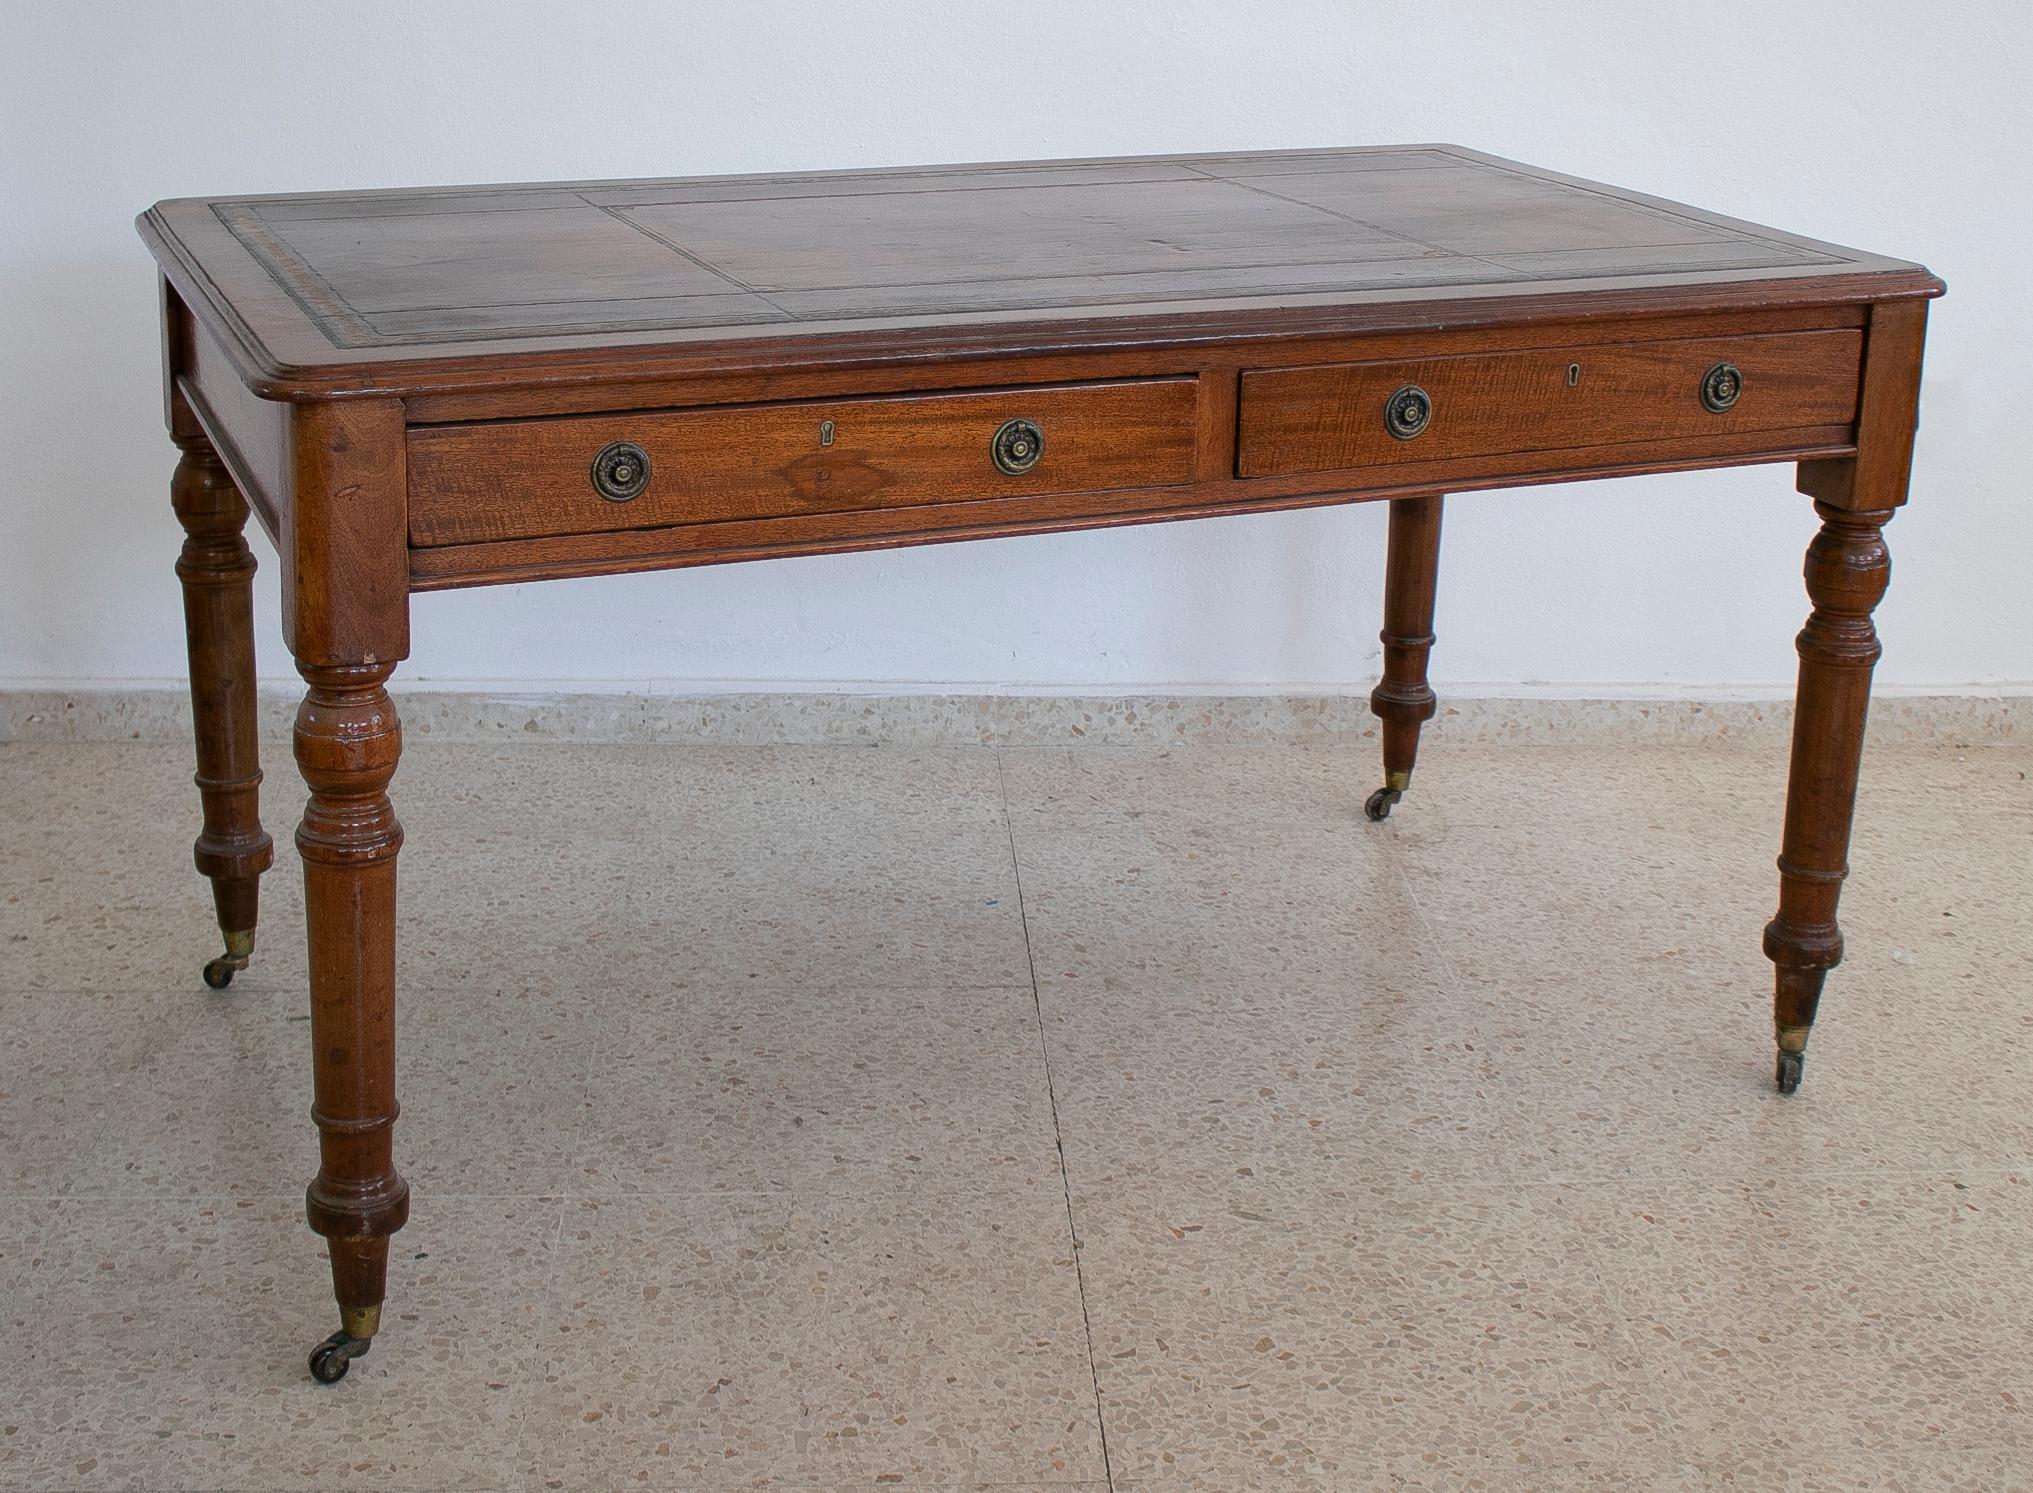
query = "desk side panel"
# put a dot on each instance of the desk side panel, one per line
(1876, 477)
(205, 393)
(345, 586)
(328, 482)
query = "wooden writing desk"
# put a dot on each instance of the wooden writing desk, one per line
(455, 387)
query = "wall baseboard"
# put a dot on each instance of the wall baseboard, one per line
(1153, 719)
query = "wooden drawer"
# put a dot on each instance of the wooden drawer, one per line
(1325, 418)
(521, 479)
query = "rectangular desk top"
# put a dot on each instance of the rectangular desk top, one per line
(404, 292)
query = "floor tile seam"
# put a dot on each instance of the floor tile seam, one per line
(1058, 1136)
(455, 743)
(547, 1292)
(1282, 817)
(1355, 1189)
(1314, 980)
(832, 1485)
(1253, 833)
(294, 1196)
(765, 826)
(1313, 1208)
(80, 992)
(950, 1191)
(1452, 1188)
(1757, 1177)
(447, 855)
(836, 1486)
(412, 989)
(550, 1293)
(1277, 1009)
(926, 989)
(548, 1297)
(964, 818)
(590, 1059)
(216, 1487)
(958, 1190)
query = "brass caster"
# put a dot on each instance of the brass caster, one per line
(239, 949)
(1378, 809)
(1790, 1064)
(331, 1358)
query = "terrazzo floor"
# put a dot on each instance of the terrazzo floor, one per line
(832, 1118)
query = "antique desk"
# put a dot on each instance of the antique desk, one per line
(458, 387)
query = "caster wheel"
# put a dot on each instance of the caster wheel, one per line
(1790, 1064)
(1378, 809)
(219, 974)
(331, 1358)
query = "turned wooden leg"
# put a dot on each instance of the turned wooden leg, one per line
(347, 744)
(1848, 567)
(1403, 700)
(217, 571)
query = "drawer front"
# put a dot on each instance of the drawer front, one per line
(532, 478)
(1329, 417)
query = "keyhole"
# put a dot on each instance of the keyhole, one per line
(825, 432)
(1573, 374)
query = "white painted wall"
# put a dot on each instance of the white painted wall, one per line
(1871, 122)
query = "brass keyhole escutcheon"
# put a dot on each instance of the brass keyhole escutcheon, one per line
(825, 432)
(621, 471)
(1573, 374)
(1017, 447)
(1722, 386)
(1408, 412)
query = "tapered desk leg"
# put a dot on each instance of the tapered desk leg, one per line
(217, 571)
(1848, 567)
(347, 744)
(1403, 700)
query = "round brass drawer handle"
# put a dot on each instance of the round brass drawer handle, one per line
(1722, 386)
(1408, 412)
(621, 471)
(1017, 447)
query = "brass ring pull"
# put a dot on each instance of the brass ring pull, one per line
(1408, 412)
(1722, 386)
(621, 471)
(1017, 447)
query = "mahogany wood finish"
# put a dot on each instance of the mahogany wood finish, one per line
(1403, 700)
(525, 478)
(217, 571)
(1848, 568)
(436, 388)
(348, 740)
(1549, 399)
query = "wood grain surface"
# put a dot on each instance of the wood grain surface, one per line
(525, 478)
(1323, 418)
